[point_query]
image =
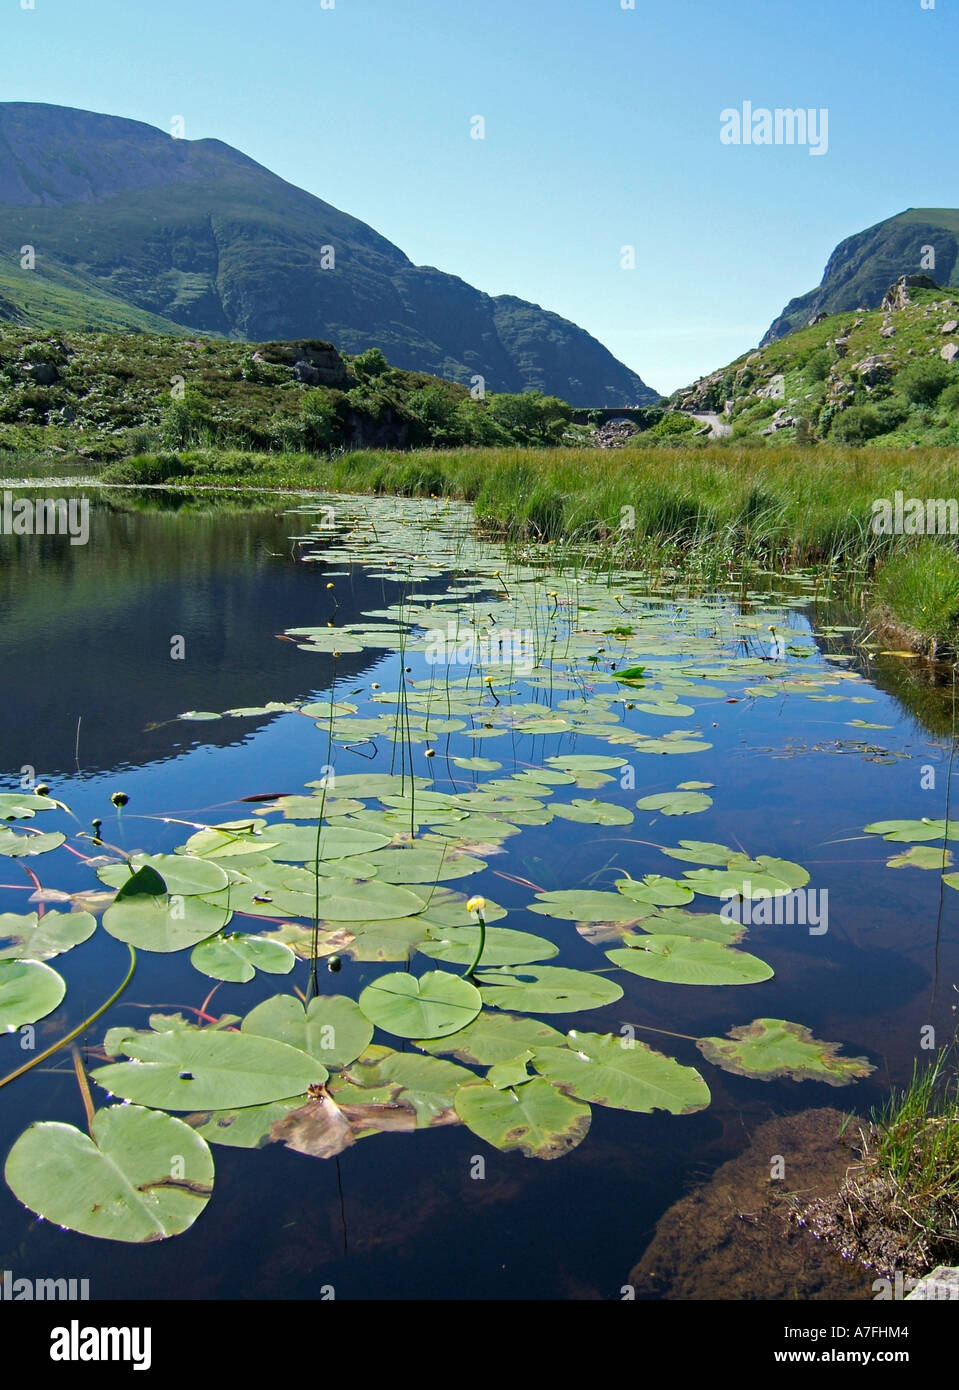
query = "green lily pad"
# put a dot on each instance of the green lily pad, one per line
(41, 938)
(297, 843)
(513, 1072)
(22, 846)
(594, 812)
(184, 875)
(622, 1073)
(771, 1047)
(584, 905)
(656, 890)
(767, 878)
(163, 924)
(331, 1027)
(684, 960)
(422, 864)
(237, 957)
(248, 1128)
(205, 1069)
(676, 803)
(428, 1084)
(430, 1006)
(29, 990)
(914, 830)
(921, 857)
(545, 989)
(458, 946)
(143, 1176)
(493, 1038)
(23, 805)
(535, 1118)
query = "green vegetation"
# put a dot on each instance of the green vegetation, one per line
(911, 1164)
(867, 377)
(917, 594)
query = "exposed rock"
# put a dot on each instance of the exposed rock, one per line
(943, 1282)
(816, 318)
(950, 327)
(897, 296)
(43, 373)
(316, 363)
(842, 346)
(873, 370)
(887, 331)
(775, 389)
(949, 353)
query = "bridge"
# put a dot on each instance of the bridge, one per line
(642, 416)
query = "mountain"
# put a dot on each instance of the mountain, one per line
(888, 376)
(132, 227)
(862, 267)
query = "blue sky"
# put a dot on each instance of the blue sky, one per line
(602, 131)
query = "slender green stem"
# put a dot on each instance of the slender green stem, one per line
(75, 1033)
(482, 945)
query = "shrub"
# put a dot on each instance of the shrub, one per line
(817, 365)
(924, 382)
(856, 425)
(370, 364)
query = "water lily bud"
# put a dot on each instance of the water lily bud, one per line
(430, 753)
(43, 789)
(331, 586)
(476, 905)
(119, 798)
(334, 965)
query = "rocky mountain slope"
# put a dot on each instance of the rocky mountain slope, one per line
(133, 229)
(860, 270)
(888, 376)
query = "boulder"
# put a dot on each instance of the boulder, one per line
(897, 296)
(950, 352)
(943, 1282)
(873, 370)
(950, 327)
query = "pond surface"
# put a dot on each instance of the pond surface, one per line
(476, 672)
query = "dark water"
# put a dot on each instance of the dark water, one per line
(89, 700)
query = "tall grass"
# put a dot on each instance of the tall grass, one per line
(781, 508)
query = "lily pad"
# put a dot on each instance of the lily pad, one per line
(684, 960)
(676, 803)
(545, 989)
(205, 1069)
(29, 990)
(237, 957)
(185, 875)
(430, 1006)
(163, 924)
(622, 1073)
(493, 1038)
(458, 946)
(594, 812)
(331, 1027)
(584, 905)
(143, 1176)
(428, 1084)
(41, 938)
(535, 1118)
(771, 1047)
(22, 846)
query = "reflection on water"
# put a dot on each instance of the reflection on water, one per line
(85, 639)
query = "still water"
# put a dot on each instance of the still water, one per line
(173, 609)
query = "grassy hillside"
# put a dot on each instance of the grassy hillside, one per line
(854, 378)
(104, 396)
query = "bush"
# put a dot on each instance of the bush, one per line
(817, 365)
(147, 468)
(857, 425)
(949, 400)
(924, 382)
(370, 364)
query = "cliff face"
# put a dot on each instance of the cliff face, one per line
(862, 267)
(205, 238)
